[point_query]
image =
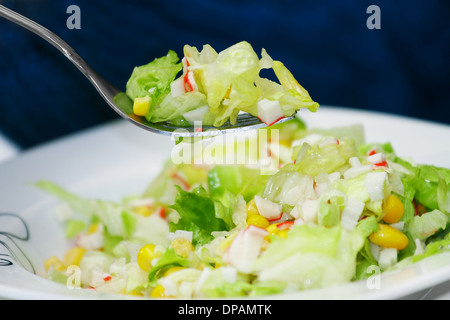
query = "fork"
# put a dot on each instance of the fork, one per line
(118, 100)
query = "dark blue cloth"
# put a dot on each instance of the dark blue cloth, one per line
(403, 68)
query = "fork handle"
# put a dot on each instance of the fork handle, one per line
(103, 87)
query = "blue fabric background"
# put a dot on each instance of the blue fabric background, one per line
(404, 68)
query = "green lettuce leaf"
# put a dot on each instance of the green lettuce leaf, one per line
(235, 179)
(173, 108)
(115, 217)
(216, 286)
(423, 226)
(197, 211)
(231, 75)
(317, 159)
(74, 227)
(314, 256)
(154, 79)
(430, 183)
(168, 260)
(291, 95)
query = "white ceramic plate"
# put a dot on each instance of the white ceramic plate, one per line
(118, 159)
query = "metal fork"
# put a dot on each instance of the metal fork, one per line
(117, 99)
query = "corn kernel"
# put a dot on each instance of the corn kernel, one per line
(182, 247)
(134, 292)
(146, 256)
(273, 229)
(158, 292)
(141, 106)
(285, 142)
(56, 263)
(93, 228)
(283, 234)
(389, 237)
(393, 209)
(73, 256)
(251, 208)
(172, 270)
(258, 221)
(144, 211)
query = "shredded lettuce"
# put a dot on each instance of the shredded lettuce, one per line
(327, 158)
(173, 108)
(427, 224)
(168, 260)
(235, 179)
(74, 227)
(227, 83)
(197, 213)
(313, 256)
(217, 286)
(154, 79)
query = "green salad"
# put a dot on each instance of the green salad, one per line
(335, 208)
(215, 87)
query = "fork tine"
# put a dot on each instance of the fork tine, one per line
(245, 121)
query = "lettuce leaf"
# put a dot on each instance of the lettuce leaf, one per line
(423, 226)
(235, 179)
(168, 260)
(173, 108)
(230, 75)
(197, 212)
(314, 256)
(114, 216)
(154, 79)
(430, 183)
(216, 286)
(316, 159)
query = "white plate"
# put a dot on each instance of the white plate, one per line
(118, 159)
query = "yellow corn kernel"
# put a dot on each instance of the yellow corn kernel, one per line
(56, 263)
(144, 211)
(257, 221)
(251, 208)
(285, 142)
(73, 256)
(172, 270)
(145, 257)
(141, 106)
(93, 228)
(182, 247)
(393, 209)
(283, 234)
(389, 237)
(273, 229)
(158, 292)
(134, 292)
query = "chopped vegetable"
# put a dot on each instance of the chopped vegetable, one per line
(214, 87)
